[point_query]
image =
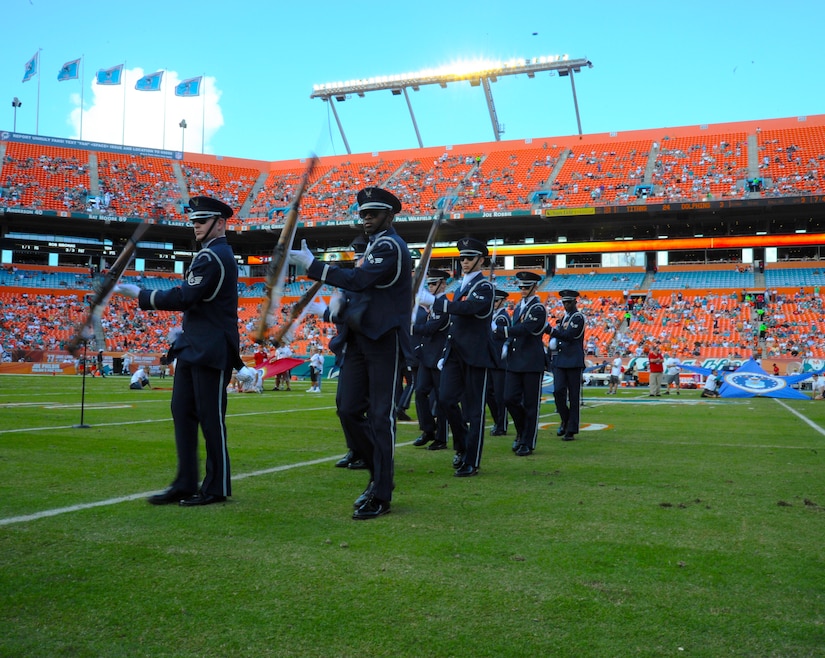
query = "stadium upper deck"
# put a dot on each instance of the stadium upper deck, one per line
(680, 187)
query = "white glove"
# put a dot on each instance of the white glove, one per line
(336, 304)
(173, 335)
(316, 307)
(440, 364)
(247, 375)
(302, 256)
(127, 290)
(425, 296)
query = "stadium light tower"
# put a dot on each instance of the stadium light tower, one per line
(15, 104)
(477, 73)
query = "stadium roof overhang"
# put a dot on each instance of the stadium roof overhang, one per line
(477, 73)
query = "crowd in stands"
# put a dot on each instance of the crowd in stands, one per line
(138, 186)
(229, 184)
(681, 168)
(698, 169)
(713, 324)
(44, 178)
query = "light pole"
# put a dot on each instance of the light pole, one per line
(15, 104)
(182, 125)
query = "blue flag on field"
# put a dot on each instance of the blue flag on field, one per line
(31, 68)
(149, 82)
(110, 76)
(70, 71)
(190, 87)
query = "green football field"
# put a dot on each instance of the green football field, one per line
(671, 527)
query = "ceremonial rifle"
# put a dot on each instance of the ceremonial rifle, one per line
(424, 262)
(276, 274)
(297, 311)
(103, 291)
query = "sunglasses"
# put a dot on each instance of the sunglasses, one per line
(363, 214)
(200, 220)
(467, 257)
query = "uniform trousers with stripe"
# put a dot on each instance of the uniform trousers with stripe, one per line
(567, 391)
(522, 395)
(467, 384)
(426, 391)
(199, 400)
(495, 397)
(369, 384)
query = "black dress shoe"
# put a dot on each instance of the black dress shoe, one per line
(458, 460)
(345, 461)
(202, 499)
(364, 496)
(497, 431)
(357, 465)
(168, 496)
(424, 439)
(466, 471)
(371, 509)
(516, 444)
(568, 437)
(524, 450)
(437, 445)
(560, 431)
(402, 416)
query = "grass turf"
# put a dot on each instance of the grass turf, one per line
(682, 527)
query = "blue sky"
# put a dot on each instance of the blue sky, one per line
(656, 64)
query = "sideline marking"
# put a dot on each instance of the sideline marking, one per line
(801, 417)
(138, 496)
(168, 419)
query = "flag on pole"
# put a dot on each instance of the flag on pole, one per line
(149, 82)
(190, 87)
(70, 71)
(31, 68)
(110, 76)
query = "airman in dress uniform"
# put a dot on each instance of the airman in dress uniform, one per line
(468, 355)
(377, 344)
(567, 343)
(432, 332)
(525, 362)
(206, 351)
(495, 389)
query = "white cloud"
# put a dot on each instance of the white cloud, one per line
(151, 118)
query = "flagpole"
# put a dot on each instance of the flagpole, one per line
(37, 114)
(203, 113)
(163, 139)
(82, 84)
(123, 127)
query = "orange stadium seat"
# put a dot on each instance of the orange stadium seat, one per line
(45, 177)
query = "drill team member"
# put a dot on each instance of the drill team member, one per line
(568, 364)
(525, 363)
(206, 352)
(433, 335)
(468, 355)
(378, 341)
(495, 389)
